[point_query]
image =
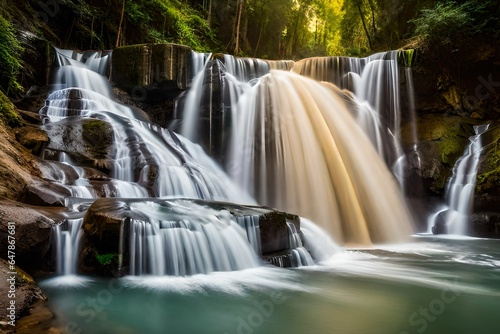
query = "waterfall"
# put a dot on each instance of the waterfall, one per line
(193, 99)
(245, 69)
(264, 146)
(301, 256)
(460, 188)
(375, 82)
(145, 159)
(208, 241)
(183, 237)
(317, 242)
(93, 65)
(67, 245)
(251, 225)
(290, 141)
(203, 114)
(296, 147)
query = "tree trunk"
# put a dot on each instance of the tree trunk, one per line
(364, 25)
(238, 22)
(120, 25)
(209, 19)
(92, 32)
(294, 38)
(260, 35)
(372, 8)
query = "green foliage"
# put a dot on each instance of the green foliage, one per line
(358, 28)
(8, 113)
(10, 51)
(106, 259)
(137, 13)
(443, 22)
(449, 24)
(157, 37)
(168, 21)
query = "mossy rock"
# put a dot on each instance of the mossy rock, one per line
(451, 149)
(488, 178)
(274, 233)
(451, 135)
(442, 140)
(87, 140)
(406, 58)
(8, 113)
(26, 293)
(93, 263)
(106, 259)
(98, 135)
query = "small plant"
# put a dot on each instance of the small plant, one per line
(406, 57)
(106, 259)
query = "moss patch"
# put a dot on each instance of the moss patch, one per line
(98, 135)
(451, 149)
(449, 134)
(488, 179)
(8, 113)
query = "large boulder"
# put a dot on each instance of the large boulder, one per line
(24, 293)
(88, 140)
(44, 193)
(27, 230)
(106, 226)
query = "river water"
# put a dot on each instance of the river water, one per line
(430, 285)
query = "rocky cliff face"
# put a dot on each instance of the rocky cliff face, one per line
(453, 93)
(19, 166)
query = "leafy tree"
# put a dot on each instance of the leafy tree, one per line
(449, 23)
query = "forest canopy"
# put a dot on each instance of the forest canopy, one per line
(278, 29)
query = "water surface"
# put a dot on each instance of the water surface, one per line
(432, 285)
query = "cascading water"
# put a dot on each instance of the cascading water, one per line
(93, 65)
(215, 88)
(270, 155)
(301, 256)
(193, 98)
(209, 241)
(460, 189)
(375, 82)
(246, 69)
(144, 160)
(296, 146)
(67, 245)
